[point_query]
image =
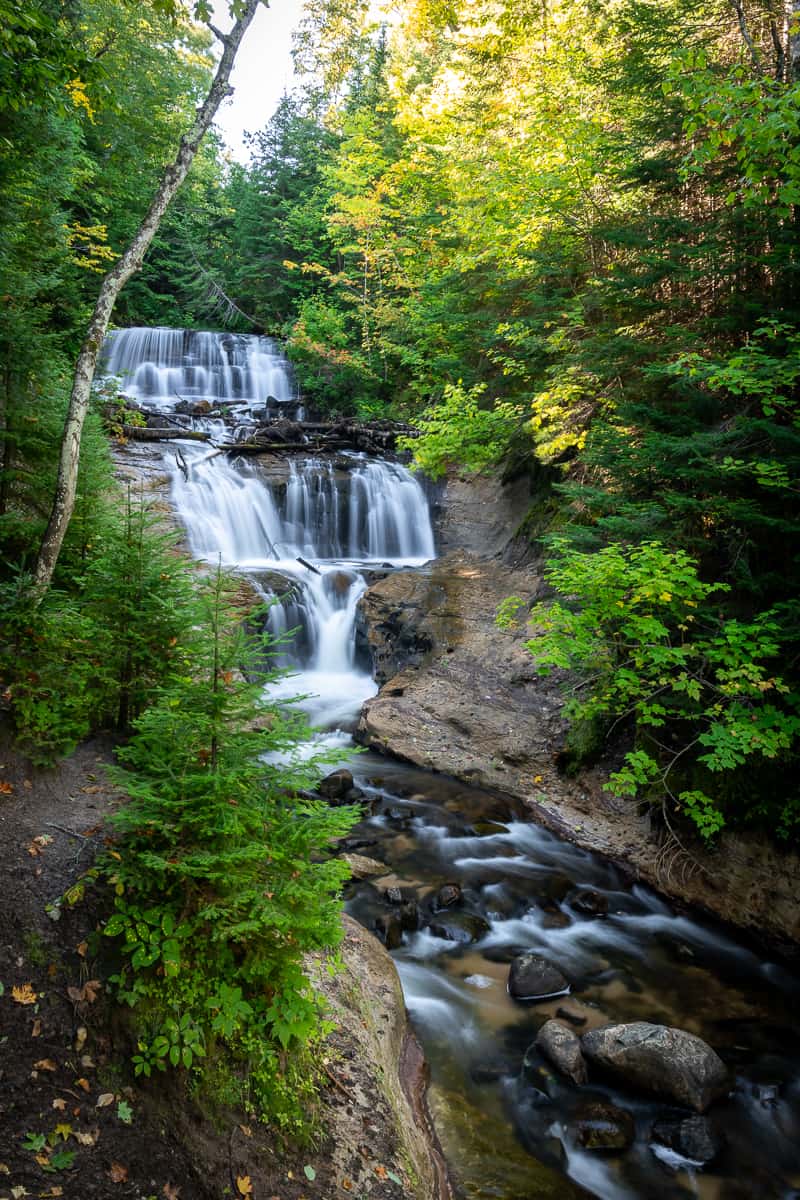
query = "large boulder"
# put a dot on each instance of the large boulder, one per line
(563, 1049)
(533, 978)
(661, 1060)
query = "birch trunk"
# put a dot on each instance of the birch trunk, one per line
(114, 281)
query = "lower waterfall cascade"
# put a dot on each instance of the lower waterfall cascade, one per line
(512, 1128)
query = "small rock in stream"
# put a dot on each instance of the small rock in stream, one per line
(362, 867)
(334, 787)
(693, 1137)
(533, 978)
(459, 927)
(563, 1049)
(588, 901)
(447, 896)
(603, 1126)
(389, 930)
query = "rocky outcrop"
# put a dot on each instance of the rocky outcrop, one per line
(660, 1060)
(462, 697)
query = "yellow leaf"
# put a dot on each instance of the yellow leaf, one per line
(244, 1185)
(24, 994)
(84, 1083)
(63, 1131)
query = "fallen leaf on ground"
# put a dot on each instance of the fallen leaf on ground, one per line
(26, 783)
(88, 993)
(6, 788)
(244, 1185)
(19, 1191)
(24, 994)
(83, 1083)
(92, 789)
(45, 1064)
(106, 1099)
(347, 1184)
(54, 1191)
(86, 1137)
(81, 948)
(59, 1104)
(171, 1192)
(380, 1172)
(37, 1027)
(80, 1037)
(246, 1130)
(118, 1173)
(4, 1170)
(61, 1131)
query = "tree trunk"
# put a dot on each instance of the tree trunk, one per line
(114, 281)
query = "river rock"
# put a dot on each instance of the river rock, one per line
(361, 867)
(693, 1137)
(334, 787)
(389, 929)
(461, 927)
(447, 896)
(603, 1126)
(563, 1048)
(661, 1060)
(409, 916)
(588, 901)
(533, 978)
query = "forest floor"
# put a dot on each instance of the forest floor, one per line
(74, 1122)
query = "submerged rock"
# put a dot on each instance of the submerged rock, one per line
(588, 901)
(603, 1126)
(533, 978)
(447, 896)
(334, 787)
(693, 1137)
(661, 1060)
(459, 927)
(563, 1049)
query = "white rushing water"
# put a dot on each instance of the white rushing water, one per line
(339, 520)
(164, 367)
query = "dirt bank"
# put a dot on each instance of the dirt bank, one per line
(75, 1123)
(461, 697)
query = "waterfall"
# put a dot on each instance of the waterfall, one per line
(340, 515)
(168, 368)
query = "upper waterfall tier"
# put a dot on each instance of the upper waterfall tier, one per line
(162, 367)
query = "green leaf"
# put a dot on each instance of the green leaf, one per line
(309, 1172)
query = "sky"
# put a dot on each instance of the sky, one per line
(262, 72)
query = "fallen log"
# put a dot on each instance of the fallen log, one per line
(139, 433)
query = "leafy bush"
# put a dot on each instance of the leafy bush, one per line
(220, 887)
(646, 632)
(458, 430)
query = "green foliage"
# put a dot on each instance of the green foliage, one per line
(220, 879)
(646, 634)
(460, 431)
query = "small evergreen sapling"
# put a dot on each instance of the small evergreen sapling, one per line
(221, 882)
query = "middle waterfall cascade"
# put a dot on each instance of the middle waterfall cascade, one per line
(372, 513)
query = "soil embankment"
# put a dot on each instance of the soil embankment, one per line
(461, 697)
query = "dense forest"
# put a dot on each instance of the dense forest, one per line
(562, 238)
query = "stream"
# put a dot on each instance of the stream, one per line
(469, 882)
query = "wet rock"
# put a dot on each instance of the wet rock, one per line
(491, 1071)
(409, 916)
(661, 1060)
(533, 978)
(353, 795)
(604, 1127)
(588, 901)
(459, 927)
(394, 895)
(362, 867)
(693, 1137)
(338, 583)
(574, 1018)
(200, 408)
(389, 930)
(334, 787)
(563, 1049)
(447, 896)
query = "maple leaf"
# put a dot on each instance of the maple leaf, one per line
(62, 1131)
(24, 994)
(244, 1185)
(118, 1173)
(59, 1104)
(6, 788)
(380, 1172)
(45, 1064)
